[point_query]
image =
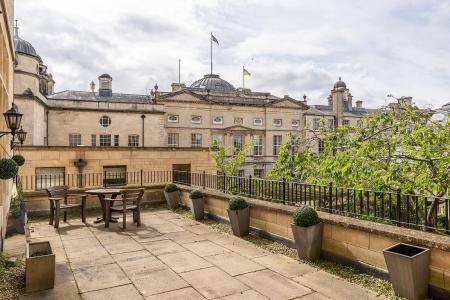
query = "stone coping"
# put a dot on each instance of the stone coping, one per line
(109, 148)
(405, 235)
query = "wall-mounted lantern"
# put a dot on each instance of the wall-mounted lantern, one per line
(13, 118)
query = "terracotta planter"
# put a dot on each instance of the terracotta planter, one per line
(172, 198)
(39, 270)
(308, 241)
(240, 221)
(408, 268)
(198, 208)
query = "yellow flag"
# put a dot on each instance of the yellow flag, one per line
(246, 73)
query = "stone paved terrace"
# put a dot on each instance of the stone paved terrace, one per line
(172, 257)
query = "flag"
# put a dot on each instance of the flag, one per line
(246, 73)
(213, 38)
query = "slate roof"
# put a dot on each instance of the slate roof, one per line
(90, 96)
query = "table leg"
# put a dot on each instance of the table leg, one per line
(112, 219)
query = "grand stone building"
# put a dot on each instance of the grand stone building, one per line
(6, 99)
(187, 116)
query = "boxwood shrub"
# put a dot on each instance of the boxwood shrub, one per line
(171, 187)
(8, 168)
(237, 203)
(305, 216)
(19, 159)
(196, 194)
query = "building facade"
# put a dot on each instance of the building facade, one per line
(6, 99)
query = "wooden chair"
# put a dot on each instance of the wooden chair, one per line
(131, 201)
(56, 194)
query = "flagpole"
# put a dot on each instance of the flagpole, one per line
(210, 38)
(243, 76)
(179, 71)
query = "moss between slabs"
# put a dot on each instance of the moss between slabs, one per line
(348, 273)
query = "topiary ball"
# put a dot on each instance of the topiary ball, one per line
(171, 187)
(8, 168)
(237, 203)
(305, 216)
(196, 194)
(19, 159)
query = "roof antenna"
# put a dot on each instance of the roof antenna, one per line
(16, 30)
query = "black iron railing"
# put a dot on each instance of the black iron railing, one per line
(395, 208)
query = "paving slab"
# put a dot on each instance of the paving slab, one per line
(213, 283)
(167, 228)
(163, 247)
(273, 285)
(138, 264)
(315, 296)
(147, 236)
(181, 294)
(246, 295)
(245, 249)
(184, 261)
(124, 244)
(335, 287)
(198, 229)
(219, 238)
(159, 281)
(128, 292)
(205, 248)
(284, 265)
(184, 237)
(99, 277)
(234, 264)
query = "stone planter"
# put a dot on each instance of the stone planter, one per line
(172, 198)
(39, 270)
(197, 208)
(408, 268)
(240, 221)
(308, 241)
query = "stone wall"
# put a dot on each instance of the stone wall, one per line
(346, 239)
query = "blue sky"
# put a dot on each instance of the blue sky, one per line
(290, 47)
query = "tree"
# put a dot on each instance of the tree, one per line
(396, 149)
(226, 164)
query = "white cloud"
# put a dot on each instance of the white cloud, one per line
(291, 47)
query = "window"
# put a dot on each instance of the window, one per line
(172, 139)
(346, 122)
(238, 120)
(316, 123)
(240, 173)
(93, 140)
(277, 122)
(218, 120)
(115, 175)
(258, 173)
(196, 140)
(105, 140)
(295, 123)
(218, 138)
(105, 121)
(330, 123)
(196, 119)
(257, 145)
(133, 140)
(48, 177)
(321, 146)
(116, 140)
(173, 119)
(74, 139)
(276, 143)
(238, 142)
(257, 121)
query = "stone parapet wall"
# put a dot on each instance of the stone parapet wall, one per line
(350, 239)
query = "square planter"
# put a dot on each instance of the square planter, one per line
(308, 241)
(172, 198)
(409, 271)
(40, 269)
(198, 208)
(240, 221)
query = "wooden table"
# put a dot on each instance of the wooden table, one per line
(102, 193)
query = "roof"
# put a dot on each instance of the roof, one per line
(327, 110)
(90, 96)
(213, 82)
(22, 46)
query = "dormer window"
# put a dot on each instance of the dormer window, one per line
(295, 123)
(105, 121)
(277, 122)
(196, 119)
(257, 121)
(173, 118)
(218, 120)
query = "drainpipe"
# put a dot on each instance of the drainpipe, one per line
(143, 129)
(46, 129)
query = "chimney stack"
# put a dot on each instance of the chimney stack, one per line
(105, 85)
(359, 104)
